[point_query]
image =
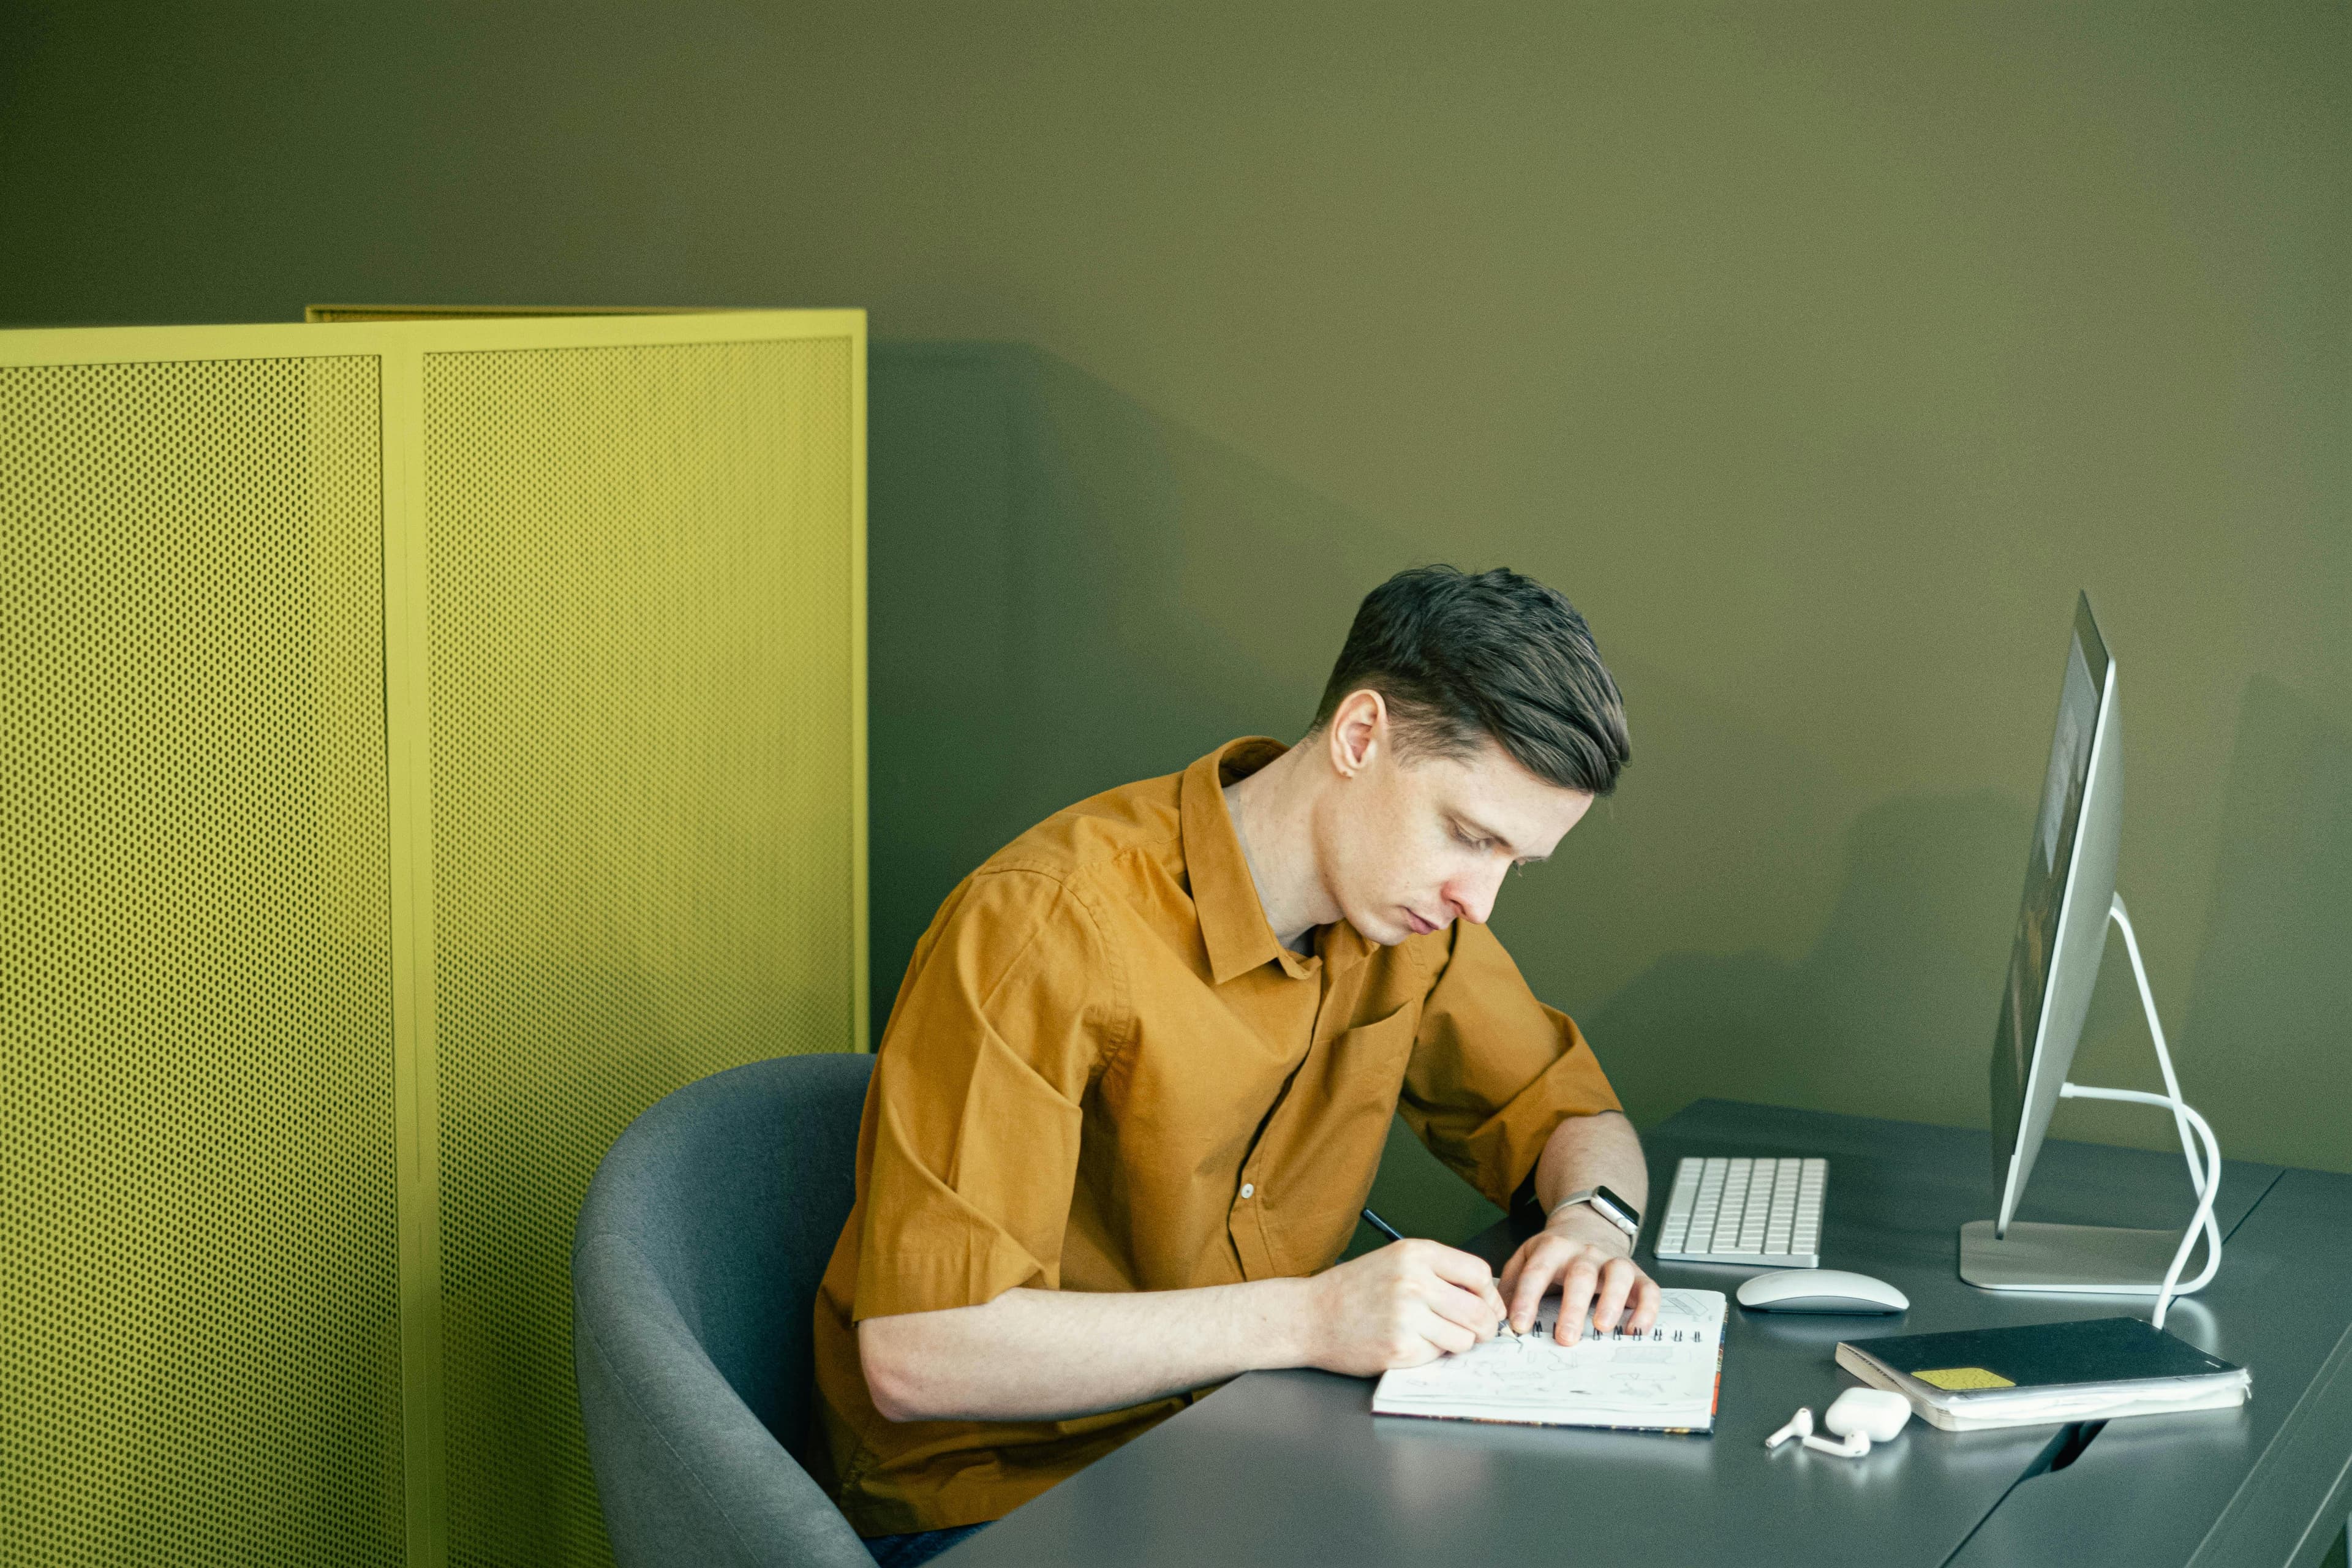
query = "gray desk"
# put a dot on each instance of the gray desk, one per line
(1291, 1468)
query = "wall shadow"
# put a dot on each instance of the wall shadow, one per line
(1068, 591)
(2267, 1046)
(1890, 1012)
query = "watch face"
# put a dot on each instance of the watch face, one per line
(1625, 1213)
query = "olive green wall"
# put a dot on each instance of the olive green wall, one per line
(1819, 353)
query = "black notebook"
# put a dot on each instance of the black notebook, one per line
(2097, 1368)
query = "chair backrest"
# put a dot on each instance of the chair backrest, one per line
(695, 1268)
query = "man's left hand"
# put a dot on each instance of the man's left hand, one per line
(1590, 1262)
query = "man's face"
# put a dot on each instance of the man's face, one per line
(1406, 849)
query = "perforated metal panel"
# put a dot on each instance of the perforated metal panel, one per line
(199, 1355)
(644, 819)
(421, 753)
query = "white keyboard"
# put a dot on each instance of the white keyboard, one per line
(1766, 1213)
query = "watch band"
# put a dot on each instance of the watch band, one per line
(1608, 1205)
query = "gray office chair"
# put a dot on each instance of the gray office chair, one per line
(694, 1271)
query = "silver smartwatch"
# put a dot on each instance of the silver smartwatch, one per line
(1608, 1206)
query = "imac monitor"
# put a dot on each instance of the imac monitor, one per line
(2070, 882)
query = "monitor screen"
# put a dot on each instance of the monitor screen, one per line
(2049, 859)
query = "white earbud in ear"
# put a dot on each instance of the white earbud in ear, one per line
(1857, 1444)
(1801, 1425)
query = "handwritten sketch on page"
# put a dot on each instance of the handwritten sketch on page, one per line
(1662, 1381)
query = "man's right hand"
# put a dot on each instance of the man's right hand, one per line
(1408, 1303)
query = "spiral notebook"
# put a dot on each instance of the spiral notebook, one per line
(1666, 1379)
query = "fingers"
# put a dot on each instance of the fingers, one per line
(1450, 1336)
(1617, 1277)
(1545, 1261)
(1624, 1300)
(1576, 1287)
(1443, 1300)
(1424, 1334)
(1529, 1274)
(1596, 1285)
(1475, 1312)
(1468, 1272)
(1457, 1267)
(1533, 1267)
(1521, 1286)
(1458, 1302)
(1645, 1304)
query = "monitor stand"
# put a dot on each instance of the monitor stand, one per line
(2109, 1261)
(2082, 1259)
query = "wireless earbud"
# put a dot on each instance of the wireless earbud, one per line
(1859, 1417)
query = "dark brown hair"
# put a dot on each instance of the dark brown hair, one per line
(1461, 659)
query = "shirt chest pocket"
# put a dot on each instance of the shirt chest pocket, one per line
(1373, 1055)
(1323, 1145)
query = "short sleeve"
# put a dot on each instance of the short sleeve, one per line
(1493, 1071)
(974, 1118)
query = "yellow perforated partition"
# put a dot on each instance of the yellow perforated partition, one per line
(426, 745)
(640, 646)
(199, 1348)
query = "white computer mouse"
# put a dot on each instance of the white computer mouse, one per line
(1821, 1291)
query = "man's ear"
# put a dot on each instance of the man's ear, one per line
(1359, 727)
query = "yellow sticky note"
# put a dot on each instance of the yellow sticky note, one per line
(1960, 1377)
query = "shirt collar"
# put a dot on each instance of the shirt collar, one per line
(1224, 897)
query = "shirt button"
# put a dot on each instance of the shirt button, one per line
(1248, 1190)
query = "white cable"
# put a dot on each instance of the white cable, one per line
(2205, 1177)
(2156, 1033)
(2206, 1192)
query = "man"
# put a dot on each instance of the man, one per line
(1139, 1072)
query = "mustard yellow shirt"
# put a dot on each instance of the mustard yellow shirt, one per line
(1103, 1072)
